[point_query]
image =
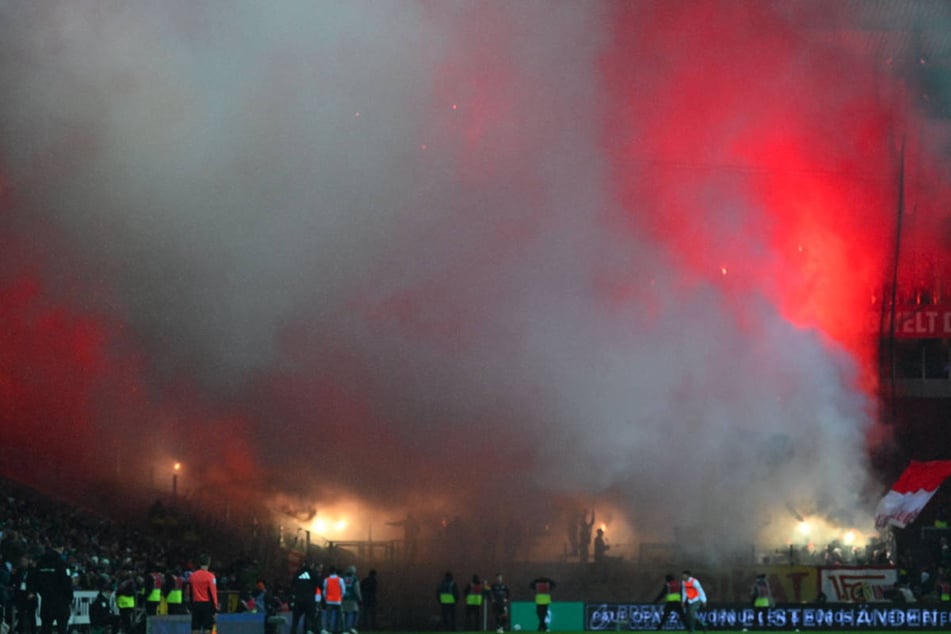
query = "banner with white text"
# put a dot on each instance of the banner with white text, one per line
(801, 618)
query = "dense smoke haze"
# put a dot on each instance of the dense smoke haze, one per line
(491, 260)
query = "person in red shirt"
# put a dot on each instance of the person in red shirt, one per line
(203, 590)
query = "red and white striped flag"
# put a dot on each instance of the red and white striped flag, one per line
(917, 484)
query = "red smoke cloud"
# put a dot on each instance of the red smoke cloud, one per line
(784, 137)
(53, 359)
(77, 408)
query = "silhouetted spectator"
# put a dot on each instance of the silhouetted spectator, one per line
(368, 588)
(55, 588)
(24, 599)
(100, 611)
(304, 586)
(350, 606)
(584, 535)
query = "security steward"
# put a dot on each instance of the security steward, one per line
(673, 602)
(762, 598)
(475, 594)
(542, 587)
(447, 593)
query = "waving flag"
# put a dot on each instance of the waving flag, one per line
(908, 496)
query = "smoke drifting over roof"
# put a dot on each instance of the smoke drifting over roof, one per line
(452, 256)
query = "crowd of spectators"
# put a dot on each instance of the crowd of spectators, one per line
(876, 552)
(101, 553)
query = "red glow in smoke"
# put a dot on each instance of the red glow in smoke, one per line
(76, 406)
(52, 361)
(744, 140)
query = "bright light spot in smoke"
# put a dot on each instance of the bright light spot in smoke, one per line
(723, 270)
(823, 533)
(322, 526)
(453, 106)
(344, 519)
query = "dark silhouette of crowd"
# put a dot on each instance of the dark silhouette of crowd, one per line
(130, 561)
(143, 559)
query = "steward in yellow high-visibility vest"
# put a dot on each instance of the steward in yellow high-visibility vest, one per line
(542, 586)
(447, 593)
(125, 601)
(174, 590)
(673, 602)
(475, 593)
(154, 581)
(762, 599)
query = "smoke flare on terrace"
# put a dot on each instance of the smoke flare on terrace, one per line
(525, 258)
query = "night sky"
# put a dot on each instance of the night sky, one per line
(475, 259)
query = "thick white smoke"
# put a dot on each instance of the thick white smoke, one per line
(388, 233)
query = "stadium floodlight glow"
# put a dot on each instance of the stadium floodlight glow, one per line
(175, 469)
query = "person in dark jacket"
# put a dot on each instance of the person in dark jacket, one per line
(269, 603)
(304, 586)
(24, 599)
(100, 611)
(368, 587)
(53, 584)
(6, 591)
(500, 602)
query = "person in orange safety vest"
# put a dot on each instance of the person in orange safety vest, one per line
(693, 598)
(333, 598)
